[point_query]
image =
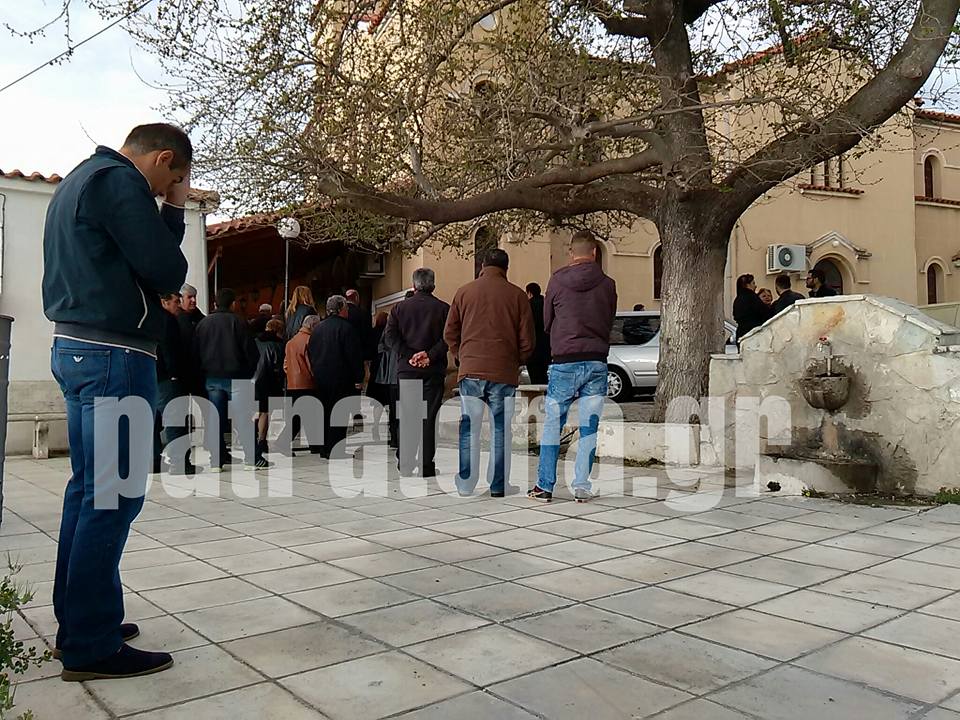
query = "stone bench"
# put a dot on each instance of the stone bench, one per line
(36, 419)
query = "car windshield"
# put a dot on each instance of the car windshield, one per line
(634, 330)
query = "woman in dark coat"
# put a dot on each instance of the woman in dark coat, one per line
(378, 388)
(387, 359)
(749, 311)
(301, 305)
(267, 382)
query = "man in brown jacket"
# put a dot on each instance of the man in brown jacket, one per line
(490, 333)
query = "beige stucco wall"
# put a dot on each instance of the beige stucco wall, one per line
(839, 226)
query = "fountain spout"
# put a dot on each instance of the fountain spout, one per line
(824, 347)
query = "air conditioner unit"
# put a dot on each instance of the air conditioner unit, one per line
(373, 266)
(786, 258)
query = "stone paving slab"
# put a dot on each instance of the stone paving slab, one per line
(719, 604)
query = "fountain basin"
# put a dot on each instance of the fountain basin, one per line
(822, 472)
(827, 391)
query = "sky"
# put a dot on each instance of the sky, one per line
(46, 119)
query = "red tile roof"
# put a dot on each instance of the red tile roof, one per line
(760, 56)
(937, 201)
(196, 194)
(32, 177)
(251, 222)
(937, 116)
(828, 188)
(373, 19)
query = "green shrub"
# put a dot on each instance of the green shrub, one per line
(15, 658)
(948, 496)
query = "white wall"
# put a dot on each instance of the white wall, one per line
(25, 207)
(195, 249)
(32, 387)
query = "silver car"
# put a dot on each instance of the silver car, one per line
(635, 352)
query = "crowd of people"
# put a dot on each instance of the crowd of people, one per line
(126, 326)
(753, 307)
(491, 329)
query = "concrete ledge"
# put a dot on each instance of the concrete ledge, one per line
(669, 444)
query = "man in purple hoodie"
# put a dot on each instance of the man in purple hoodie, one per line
(578, 312)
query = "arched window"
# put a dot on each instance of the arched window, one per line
(934, 284)
(657, 271)
(931, 179)
(484, 240)
(486, 108)
(832, 274)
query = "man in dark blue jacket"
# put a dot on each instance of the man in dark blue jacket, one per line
(415, 332)
(335, 353)
(228, 354)
(109, 254)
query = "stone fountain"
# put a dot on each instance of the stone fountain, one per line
(873, 389)
(822, 461)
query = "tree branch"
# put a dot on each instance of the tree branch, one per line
(553, 193)
(616, 23)
(693, 10)
(838, 131)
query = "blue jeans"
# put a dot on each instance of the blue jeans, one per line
(220, 392)
(475, 396)
(566, 382)
(87, 596)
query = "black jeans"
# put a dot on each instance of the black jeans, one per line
(537, 372)
(167, 390)
(418, 441)
(394, 416)
(296, 425)
(335, 433)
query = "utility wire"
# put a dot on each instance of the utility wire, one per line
(69, 50)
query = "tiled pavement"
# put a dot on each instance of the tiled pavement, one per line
(710, 606)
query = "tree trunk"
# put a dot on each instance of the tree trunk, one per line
(694, 258)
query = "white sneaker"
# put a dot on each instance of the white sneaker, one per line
(584, 495)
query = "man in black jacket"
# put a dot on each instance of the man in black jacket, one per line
(415, 332)
(189, 317)
(335, 352)
(787, 296)
(538, 362)
(171, 360)
(817, 284)
(227, 352)
(108, 257)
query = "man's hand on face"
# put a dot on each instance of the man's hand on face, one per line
(177, 194)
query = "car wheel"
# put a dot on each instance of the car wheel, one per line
(618, 385)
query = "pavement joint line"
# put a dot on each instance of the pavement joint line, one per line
(882, 559)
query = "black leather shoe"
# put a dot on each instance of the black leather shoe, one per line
(127, 662)
(188, 469)
(128, 632)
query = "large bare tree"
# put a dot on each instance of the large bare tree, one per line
(432, 114)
